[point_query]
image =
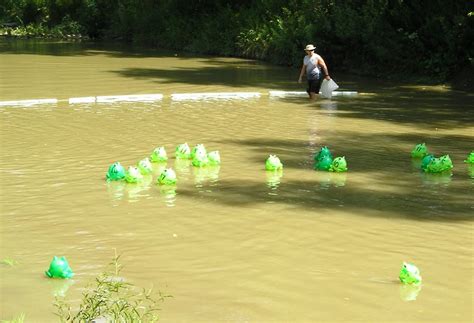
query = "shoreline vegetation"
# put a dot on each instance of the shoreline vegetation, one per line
(416, 41)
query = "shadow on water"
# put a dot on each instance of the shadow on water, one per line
(427, 202)
(404, 191)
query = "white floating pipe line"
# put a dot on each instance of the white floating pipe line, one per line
(86, 99)
(301, 93)
(129, 98)
(27, 103)
(216, 95)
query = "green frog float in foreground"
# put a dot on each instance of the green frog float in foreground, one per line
(410, 274)
(273, 163)
(470, 158)
(59, 268)
(116, 172)
(431, 164)
(159, 155)
(167, 177)
(419, 151)
(145, 166)
(133, 175)
(338, 165)
(183, 151)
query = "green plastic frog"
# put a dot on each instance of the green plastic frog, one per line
(410, 274)
(159, 155)
(198, 149)
(214, 158)
(116, 172)
(338, 165)
(145, 167)
(167, 177)
(273, 163)
(439, 165)
(323, 152)
(133, 175)
(183, 151)
(470, 158)
(419, 151)
(323, 163)
(426, 161)
(200, 158)
(59, 268)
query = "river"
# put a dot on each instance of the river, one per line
(232, 243)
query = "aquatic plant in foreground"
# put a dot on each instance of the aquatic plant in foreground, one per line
(112, 300)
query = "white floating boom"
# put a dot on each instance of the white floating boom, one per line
(27, 103)
(216, 95)
(129, 98)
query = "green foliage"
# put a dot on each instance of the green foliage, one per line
(112, 299)
(19, 319)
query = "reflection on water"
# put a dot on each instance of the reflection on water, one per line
(273, 179)
(328, 105)
(182, 167)
(207, 174)
(60, 286)
(120, 190)
(328, 179)
(430, 179)
(470, 169)
(136, 191)
(409, 292)
(168, 193)
(116, 189)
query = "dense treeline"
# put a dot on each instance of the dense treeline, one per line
(424, 37)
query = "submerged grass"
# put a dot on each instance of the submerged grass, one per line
(19, 319)
(9, 262)
(112, 300)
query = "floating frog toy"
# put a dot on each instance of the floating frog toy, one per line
(198, 149)
(200, 158)
(338, 165)
(324, 151)
(439, 165)
(59, 268)
(419, 151)
(214, 158)
(470, 158)
(273, 163)
(323, 163)
(145, 167)
(133, 175)
(446, 163)
(159, 155)
(116, 172)
(426, 161)
(183, 151)
(410, 274)
(167, 177)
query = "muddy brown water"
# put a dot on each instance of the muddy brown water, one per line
(232, 243)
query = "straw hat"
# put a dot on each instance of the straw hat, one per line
(310, 47)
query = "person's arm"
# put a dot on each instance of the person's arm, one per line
(325, 68)
(303, 69)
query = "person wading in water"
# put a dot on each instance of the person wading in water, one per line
(314, 66)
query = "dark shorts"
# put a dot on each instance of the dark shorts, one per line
(314, 86)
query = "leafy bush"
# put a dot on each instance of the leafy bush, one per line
(112, 299)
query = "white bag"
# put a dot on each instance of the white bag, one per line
(327, 87)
